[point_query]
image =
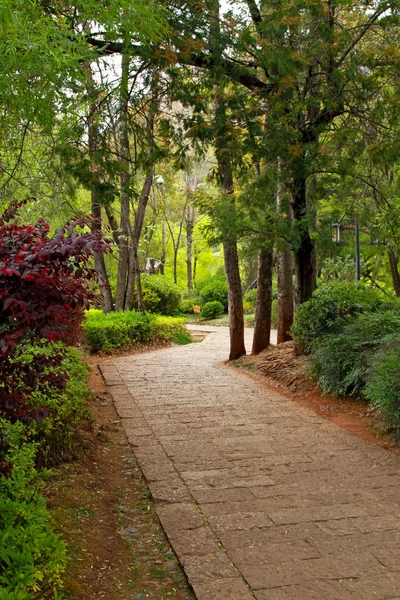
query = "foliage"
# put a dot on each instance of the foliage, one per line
(50, 383)
(117, 330)
(42, 278)
(32, 557)
(250, 301)
(340, 363)
(214, 289)
(186, 306)
(383, 385)
(212, 310)
(340, 267)
(274, 313)
(332, 306)
(160, 295)
(182, 338)
(165, 328)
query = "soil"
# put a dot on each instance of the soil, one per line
(102, 507)
(277, 367)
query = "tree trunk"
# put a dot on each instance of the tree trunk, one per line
(236, 318)
(394, 270)
(262, 325)
(195, 259)
(285, 294)
(304, 250)
(236, 321)
(134, 267)
(189, 253)
(99, 262)
(125, 178)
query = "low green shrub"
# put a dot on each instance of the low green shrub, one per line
(160, 295)
(32, 556)
(340, 364)
(118, 330)
(383, 386)
(165, 328)
(214, 289)
(186, 306)
(331, 308)
(212, 310)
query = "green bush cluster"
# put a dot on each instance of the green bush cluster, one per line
(250, 301)
(213, 289)
(32, 556)
(186, 306)
(160, 295)
(383, 386)
(353, 334)
(118, 330)
(332, 306)
(341, 363)
(212, 310)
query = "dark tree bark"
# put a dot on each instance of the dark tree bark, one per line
(285, 293)
(99, 262)
(304, 251)
(394, 269)
(125, 178)
(236, 321)
(262, 325)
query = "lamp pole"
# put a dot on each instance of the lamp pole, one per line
(357, 236)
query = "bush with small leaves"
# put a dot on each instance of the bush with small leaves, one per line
(212, 310)
(341, 364)
(160, 295)
(121, 329)
(383, 386)
(186, 306)
(212, 289)
(32, 556)
(331, 308)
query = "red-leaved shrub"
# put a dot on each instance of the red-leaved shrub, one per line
(44, 285)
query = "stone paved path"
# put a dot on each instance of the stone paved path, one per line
(259, 497)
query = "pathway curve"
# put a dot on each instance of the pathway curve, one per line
(260, 497)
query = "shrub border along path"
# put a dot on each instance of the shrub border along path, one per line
(260, 498)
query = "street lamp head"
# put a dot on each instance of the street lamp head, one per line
(336, 233)
(158, 179)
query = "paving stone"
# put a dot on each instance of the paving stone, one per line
(222, 589)
(175, 517)
(208, 567)
(327, 590)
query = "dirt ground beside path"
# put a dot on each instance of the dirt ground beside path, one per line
(103, 509)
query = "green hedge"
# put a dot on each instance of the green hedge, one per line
(118, 330)
(331, 308)
(32, 556)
